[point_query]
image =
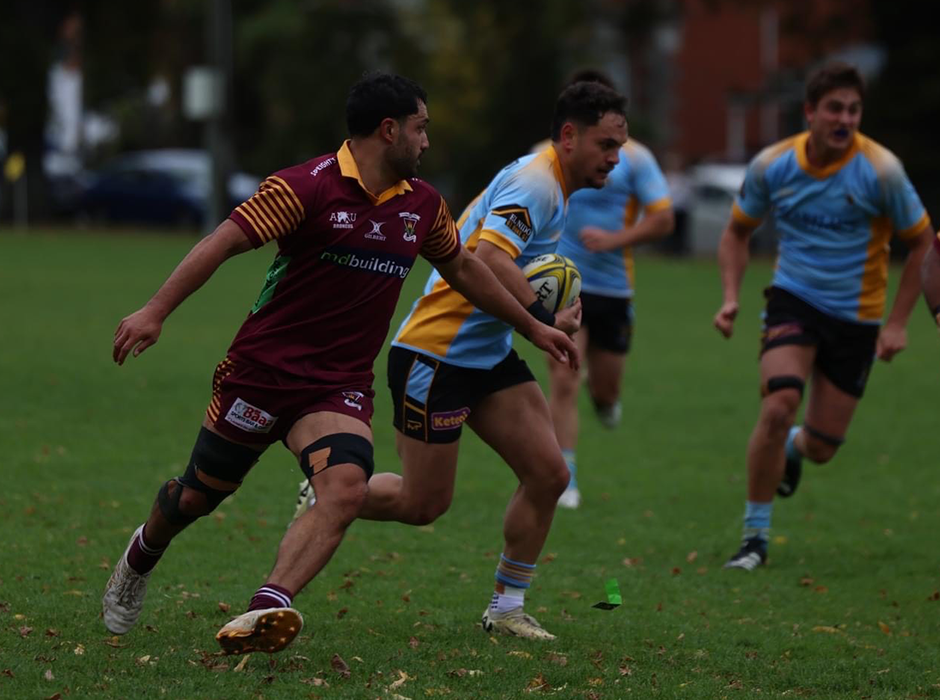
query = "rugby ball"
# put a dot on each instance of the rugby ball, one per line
(555, 281)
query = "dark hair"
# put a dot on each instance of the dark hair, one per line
(378, 96)
(833, 76)
(590, 75)
(585, 103)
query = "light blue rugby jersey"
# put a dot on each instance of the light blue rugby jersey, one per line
(835, 223)
(522, 211)
(635, 185)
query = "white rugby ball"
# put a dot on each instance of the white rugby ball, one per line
(555, 281)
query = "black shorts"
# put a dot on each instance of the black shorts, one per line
(432, 399)
(609, 321)
(845, 350)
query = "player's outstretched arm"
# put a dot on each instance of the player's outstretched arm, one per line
(485, 288)
(733, 255)
(140, 330)
(650, 228)
(930, 279)
(893, 336)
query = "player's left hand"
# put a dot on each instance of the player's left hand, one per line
(597, 240)
(891, 340)
(557, 344)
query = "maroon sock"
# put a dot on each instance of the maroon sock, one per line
(270, 595)
(142, 557)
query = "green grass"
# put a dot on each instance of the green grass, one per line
(846, 608)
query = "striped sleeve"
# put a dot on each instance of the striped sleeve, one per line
(272, 212)
(442, 243)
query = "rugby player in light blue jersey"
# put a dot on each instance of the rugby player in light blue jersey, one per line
(836, 197)
(602, 226)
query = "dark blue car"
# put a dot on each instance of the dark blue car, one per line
(167, 186)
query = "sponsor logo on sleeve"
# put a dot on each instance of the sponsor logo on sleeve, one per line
(409, 220)
(517, 220)
(250, 418)
(325, 164)
(449, 420)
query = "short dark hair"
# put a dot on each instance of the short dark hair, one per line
(585, 103)
(378, 96)
(590, 75)
(832, 76)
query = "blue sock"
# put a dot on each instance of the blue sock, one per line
(793, 452)
(572, 467)
(757, 520)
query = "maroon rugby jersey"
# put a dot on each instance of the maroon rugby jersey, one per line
(343, 254)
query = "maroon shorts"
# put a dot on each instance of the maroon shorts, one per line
(259, 405)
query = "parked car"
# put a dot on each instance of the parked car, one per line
(167, 186)
(714, 186)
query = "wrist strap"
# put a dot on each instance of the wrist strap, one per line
(541, 313)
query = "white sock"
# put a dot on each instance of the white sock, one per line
(511, 599)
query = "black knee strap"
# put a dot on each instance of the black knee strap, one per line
(339, 448)
(823, 437)
(784, 382)
(214, 456)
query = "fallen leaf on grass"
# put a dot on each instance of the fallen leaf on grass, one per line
(413, 642)
(317, 682)
(633, 561)
(676, 571)
(821, 589)
(341, 613)
(625, 670)
(340, 666)
(935, 596)
(807, 581)
(884, 628)
(79, 650)
(692, 556)
(48, 675)
(538, 683)
(114, 642)
(55, 696)
(402, 679)
(143, 659)
(52, 632)
(559, 659)
(241, 664)
(224, 607)
(517, 652)
(549, 558)
(6, 672)
(461, 672)
(827, 629)
(25, 631)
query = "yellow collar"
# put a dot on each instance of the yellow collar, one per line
(556, 166)
(348, 168)
(821, 173)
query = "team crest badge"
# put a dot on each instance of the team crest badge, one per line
(409, 220)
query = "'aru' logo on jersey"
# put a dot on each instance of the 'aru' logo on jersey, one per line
(343, 219)
(517, 220)
(409, 220)
(376, 233)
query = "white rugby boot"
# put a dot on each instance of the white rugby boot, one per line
(124, 595)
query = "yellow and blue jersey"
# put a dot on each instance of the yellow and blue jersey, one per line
(522, 212)
(835, 223)
(636, 185)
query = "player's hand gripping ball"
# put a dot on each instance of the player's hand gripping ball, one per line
(555, 281)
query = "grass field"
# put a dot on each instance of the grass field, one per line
(848, 606)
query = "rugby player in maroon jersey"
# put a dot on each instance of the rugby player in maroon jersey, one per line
(348, 226)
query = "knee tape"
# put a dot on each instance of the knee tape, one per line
(823, 437)
(214, 456)
(783, 382)
(339, 448)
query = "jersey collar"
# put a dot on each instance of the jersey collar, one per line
(348, 168)
(556, 168)
(832, 168)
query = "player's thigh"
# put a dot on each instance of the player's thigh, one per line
(561, 375)
(428, 470)
(782, 361)
(829, 409)
(516, 423)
